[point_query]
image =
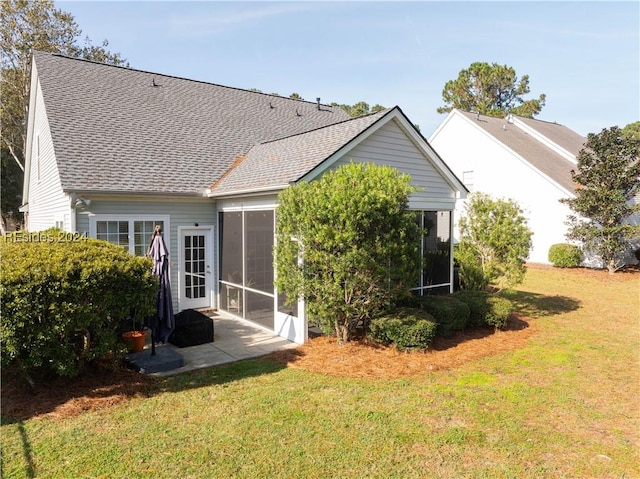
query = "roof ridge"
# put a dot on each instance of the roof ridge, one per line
(385, 111)
(165, 75)
(516, 116)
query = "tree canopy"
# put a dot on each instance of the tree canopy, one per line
(357, 242)
(26, 26)
(632, 130)
(360, 109)
(492, 90)
(607, 179)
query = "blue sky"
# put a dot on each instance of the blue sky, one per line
(585, 56)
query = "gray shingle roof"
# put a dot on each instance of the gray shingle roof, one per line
(276, 163)
(114, 131)
(552, 164)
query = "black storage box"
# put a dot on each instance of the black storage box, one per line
(191, 328)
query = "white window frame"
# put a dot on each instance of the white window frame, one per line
(93, 230)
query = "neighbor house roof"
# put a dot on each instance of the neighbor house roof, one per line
(539, 154)
(117, 129)
(274, 164)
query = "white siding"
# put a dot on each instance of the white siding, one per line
(634, 245)
(47, 202)
(181, 212)
(501, 174)
(391, 146)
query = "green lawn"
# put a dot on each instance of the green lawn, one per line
(565, 405)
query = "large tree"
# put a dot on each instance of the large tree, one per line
(27, 25)
(495, 240)
(492, 90)
(356, 241)
(608, 178)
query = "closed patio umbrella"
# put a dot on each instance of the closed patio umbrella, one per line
(163, 323)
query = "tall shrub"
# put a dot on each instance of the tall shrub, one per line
(347, 244)
(62, 301)
(494, 243)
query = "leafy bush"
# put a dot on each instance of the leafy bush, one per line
(565, 255)
(451, 314)
(499, 311)
(62, 301)
(407, 328)
(495, 240)
(478, 305)
(359, 241)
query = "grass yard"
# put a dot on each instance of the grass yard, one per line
(560, 398)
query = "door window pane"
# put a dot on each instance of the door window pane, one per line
(194, 269)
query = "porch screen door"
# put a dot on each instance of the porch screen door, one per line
(196, 268)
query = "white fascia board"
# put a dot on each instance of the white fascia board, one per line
(249, 191)
(34, 87)
(519, 158)
(544, 140)
(442, 125)
(395, 114)
(327, 163)
(423, 145)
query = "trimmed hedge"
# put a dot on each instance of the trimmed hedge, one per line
(478, 305)
(486, 308)
(63, 300)
(500, 310)
(451, 314)
(406, 328)
(565, 255)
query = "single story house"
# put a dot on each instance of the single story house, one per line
(529, 161)
(113, 151)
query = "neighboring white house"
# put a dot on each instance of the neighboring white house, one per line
(114, 151)
(529, 161)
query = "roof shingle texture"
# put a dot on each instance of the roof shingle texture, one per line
(555, 166)
(114, 131)
(280, 162)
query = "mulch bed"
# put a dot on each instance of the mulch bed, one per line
(62, 397)
(66, 397)
(363, 359)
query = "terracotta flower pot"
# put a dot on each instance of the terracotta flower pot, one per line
(135, 340)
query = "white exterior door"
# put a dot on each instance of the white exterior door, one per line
(196, 267)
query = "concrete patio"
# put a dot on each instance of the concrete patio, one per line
(234, 340)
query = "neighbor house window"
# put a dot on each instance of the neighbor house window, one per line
(131, 232)
(467, 179)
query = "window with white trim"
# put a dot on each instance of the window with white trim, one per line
(133, 233)
(467, 179)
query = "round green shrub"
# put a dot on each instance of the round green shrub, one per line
(451, 314)
(500, 310)
(62, 301)
(478, 305)
(406, 328)
(565, 255)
